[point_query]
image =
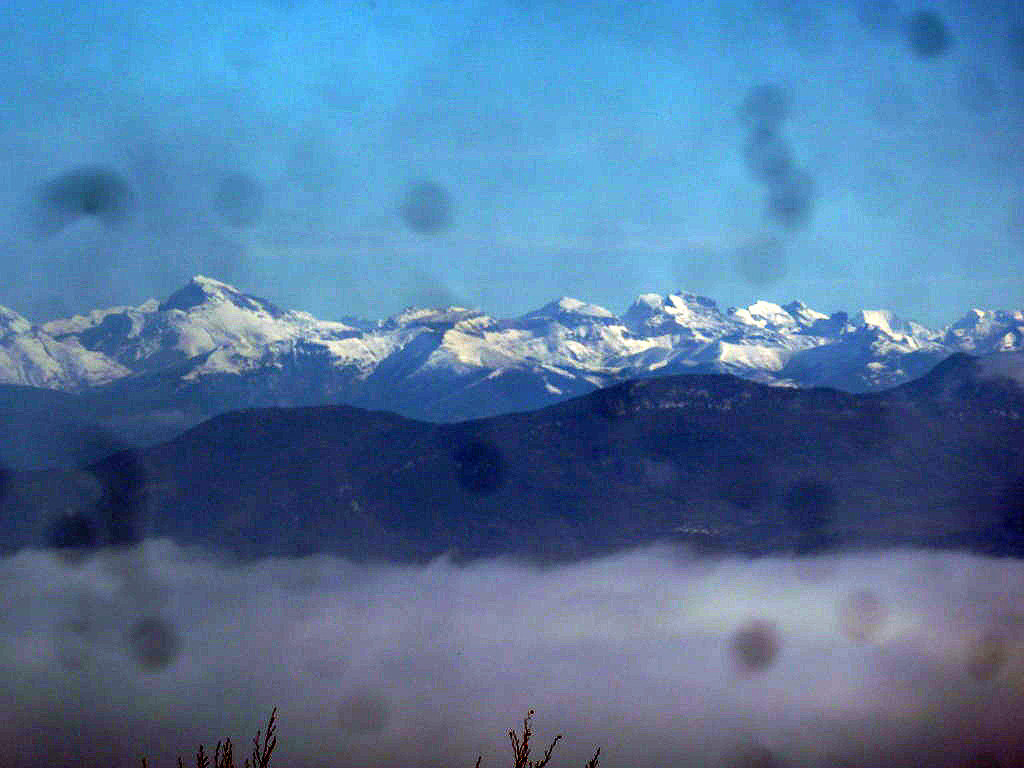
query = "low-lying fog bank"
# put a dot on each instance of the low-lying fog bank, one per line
(657, 656)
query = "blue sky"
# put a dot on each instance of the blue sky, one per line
(594, 149)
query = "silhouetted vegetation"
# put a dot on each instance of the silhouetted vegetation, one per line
(223, 754)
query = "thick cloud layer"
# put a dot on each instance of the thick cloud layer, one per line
(658, 657)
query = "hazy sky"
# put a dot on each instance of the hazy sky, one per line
(359, 157)
(891, 658)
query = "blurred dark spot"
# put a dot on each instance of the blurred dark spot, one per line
(984, 760)
(5, 482)
(977, 91)
(239, 200)
(878, 16)
(761, 261)
(752, 756)
(815, 570)
(118, 510)
(790, 199)
(71, 642)
(811, 509)
(1010, 510)
(744, 478)
(73, 536)
(326, 668)
(660, 474)
(695, 265)
(480, 467)
(891, 103)
(1017, 47)
(93, 191)
(363, 712)
(153, 642)
(85, 443)
(427, 208)
(765, 107)
(862, 615)
(767, 156)
(614, 402)
(755, 645)
(746, 489)
(986, 657)
(927, 34)
(223, 257)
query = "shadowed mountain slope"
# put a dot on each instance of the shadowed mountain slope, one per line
(715, 461)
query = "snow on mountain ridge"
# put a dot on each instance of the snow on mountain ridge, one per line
(982, 332)
(567, 311)
(12, 323)
(566, 347)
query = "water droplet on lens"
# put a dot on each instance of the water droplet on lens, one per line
(239, 200)
(753, 756)
(363, 712)
(862, 615)
(790, 199)
(765, 107)
(153, 642)
(480, 467)
(811, 507)
(977, 91)
(5, 482)
(768, 157)
(122, 480)
(755, 646)
(927, 34)
(986, 656)
(614, 402)
(427, 208)
(984, 760)
(89, 191)
(1017, 47)
(761, 261)
(878, 16)
(73, 536)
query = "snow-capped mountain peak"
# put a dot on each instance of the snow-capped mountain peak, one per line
(12, 323)
(794, 316)
(983, 329)
(568, 312)
(205, 291)
(687, 313)
(882, 319)
(430, 317)
(455, 362)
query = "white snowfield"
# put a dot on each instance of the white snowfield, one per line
(209, 328)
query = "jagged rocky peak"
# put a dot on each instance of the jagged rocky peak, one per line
(653, 313)
(11, 322)
(202, 290)
(986, 331)
(795, 316)
(983, 324)
(803, 314)
(887, 321)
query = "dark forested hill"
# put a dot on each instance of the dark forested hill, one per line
(715, 461)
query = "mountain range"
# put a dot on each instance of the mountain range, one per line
(209, 348)
(713, 461)
(219, 420)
